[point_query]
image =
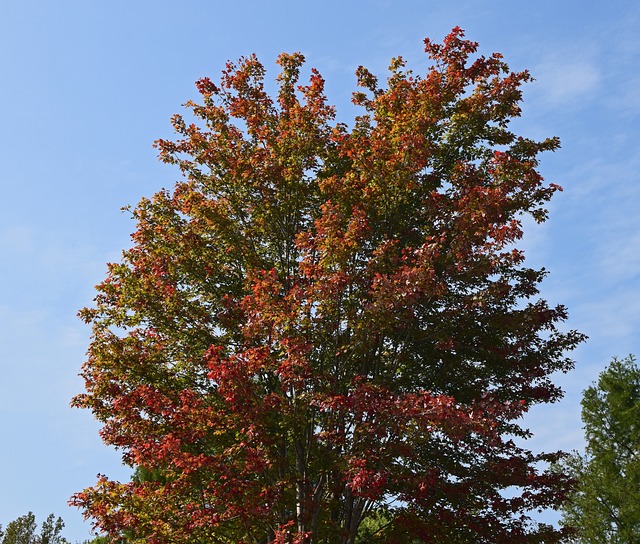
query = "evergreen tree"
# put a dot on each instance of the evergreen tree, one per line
(605, 507)
(23, 531)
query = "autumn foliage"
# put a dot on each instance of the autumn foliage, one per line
(323, 322)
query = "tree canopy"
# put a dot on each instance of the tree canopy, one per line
(605, 506)
(324, 324)
(23, 530)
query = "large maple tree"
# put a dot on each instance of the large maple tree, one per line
(322, 324)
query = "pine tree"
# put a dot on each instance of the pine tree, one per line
(605, 508)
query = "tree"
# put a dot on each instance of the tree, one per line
(605, 506)
(319, 322)
(23, 531)
(100, 539)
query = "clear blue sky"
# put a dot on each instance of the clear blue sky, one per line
(85, 88)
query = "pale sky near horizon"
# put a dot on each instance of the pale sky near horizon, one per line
(86, 87)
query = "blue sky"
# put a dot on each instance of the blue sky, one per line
(85, 88)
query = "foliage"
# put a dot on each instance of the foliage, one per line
(605, 507)
(23, 531)
(373, 528)
(320, 321)
(99, 539)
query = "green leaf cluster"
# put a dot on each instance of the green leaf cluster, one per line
(605, 506)
(23, 530)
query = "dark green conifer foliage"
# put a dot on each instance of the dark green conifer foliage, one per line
(605, 507)
(23, 531)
